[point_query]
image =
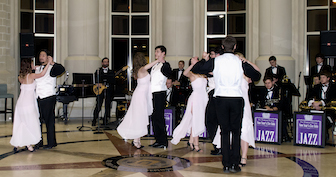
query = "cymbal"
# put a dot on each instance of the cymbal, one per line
(82, 85)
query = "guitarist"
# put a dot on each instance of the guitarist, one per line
(104, 77)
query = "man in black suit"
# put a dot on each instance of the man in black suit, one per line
(322, 94)
(178, 77)
(104, 76)
(275, 71)
(269, 95)
(319, 67)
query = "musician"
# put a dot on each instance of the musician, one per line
(269, 95)
(322, 94)
(319, 67)
(178, 77)
(275, 71)
(169, 93)
(104, 76)
(46, 96)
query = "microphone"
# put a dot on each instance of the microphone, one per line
(66, 78)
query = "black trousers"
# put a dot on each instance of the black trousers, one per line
(109, 93)
(211, 121)
(230, 117)
(159, 125)
(47, 115)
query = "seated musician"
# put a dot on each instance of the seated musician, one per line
(270, 100)
(322, 94)
(269, 96)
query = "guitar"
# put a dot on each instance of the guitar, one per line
(99, 87)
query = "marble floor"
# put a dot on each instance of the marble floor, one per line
(84, 153)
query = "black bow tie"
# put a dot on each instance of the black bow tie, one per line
(269, 90)
(326, 85)
(274, 67)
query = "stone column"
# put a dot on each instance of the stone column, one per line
(177, 30)
(275, 35)
(83, 36)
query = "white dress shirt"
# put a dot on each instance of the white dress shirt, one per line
(158, 80)
(228, 73)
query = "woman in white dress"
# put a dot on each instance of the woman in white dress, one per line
(193, 121)
(134, 124)
(26, 126)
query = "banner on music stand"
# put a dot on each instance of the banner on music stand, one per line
(267, 126)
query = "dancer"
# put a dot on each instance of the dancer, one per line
(26, 126)
(46, 96)
(134, 124)
(247, 131)
(159, 74)
(194, 117)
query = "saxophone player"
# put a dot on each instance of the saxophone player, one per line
(270, 95)
(321, 95)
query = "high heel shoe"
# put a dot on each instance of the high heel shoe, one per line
(192, 147)
(137, 145)
(242, 164)
(15, 150)
(30, 148)
(199, 150)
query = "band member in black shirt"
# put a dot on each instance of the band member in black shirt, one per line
(104, 77)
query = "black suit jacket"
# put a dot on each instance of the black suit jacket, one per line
(313, 70)
(105, 78)
(263, 97)
(316, 93)
(279, 75)
(184, 81)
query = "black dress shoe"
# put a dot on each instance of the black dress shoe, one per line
(216, 152)
(94, 123)
(235, 168)
(15, 150)
(159, 146)
(154, 144)
(49, 147)
(226, 169)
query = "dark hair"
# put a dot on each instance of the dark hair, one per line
(319, 55)
(324, 73)
(25, 67)
(46, 51)
(105, 58)
(139, 61)
(162, 48)
(181, 61)
(229, 42)
(272, 58)
(268, 78)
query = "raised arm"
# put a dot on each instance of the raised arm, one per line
(149, 65)
(186, 72)
(36, 76)
(252, 64)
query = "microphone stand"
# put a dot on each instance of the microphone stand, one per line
(299, 90)
(98, 128)
(81, 127)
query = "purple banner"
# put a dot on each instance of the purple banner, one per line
(308, 129)
(168, 116)
(266, 127)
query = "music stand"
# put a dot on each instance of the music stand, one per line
(82, 80)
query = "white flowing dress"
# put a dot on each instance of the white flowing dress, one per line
(193, 120)
(247, 132)
(26, 125)
(135, 122)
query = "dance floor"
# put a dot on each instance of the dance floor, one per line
(83, 153)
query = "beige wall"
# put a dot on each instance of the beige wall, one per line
(9, 48)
